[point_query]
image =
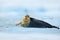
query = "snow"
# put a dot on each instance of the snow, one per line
(32, 36)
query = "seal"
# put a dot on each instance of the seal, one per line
(30, 22)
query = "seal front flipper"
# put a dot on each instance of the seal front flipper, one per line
(18, 24)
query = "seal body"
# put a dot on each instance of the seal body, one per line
(30, 22)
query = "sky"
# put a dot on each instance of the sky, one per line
(12, 12)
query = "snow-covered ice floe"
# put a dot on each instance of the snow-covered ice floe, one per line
(28, 36)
